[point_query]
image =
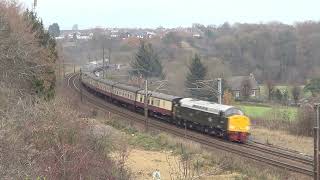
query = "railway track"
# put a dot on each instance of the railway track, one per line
(274, 156)
(281, 152)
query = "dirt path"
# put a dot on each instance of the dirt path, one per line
(144, 163)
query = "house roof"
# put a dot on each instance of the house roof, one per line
(235, 82)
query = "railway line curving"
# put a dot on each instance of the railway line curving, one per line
(275, 156)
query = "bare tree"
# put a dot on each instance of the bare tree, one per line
(270, 89)
(246, 88)
(296, 91)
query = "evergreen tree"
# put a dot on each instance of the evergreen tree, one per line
(197, 71)
(45, 41)
(44, 37)
(313, 86)
(54, 30)
(146, 62)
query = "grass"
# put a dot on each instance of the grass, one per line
(229, 163)
(277, 112)
(283, 139)
(264, 91)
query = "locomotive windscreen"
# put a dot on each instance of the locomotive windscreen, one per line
(233, 111)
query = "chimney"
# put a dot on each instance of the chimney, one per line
(251, 76)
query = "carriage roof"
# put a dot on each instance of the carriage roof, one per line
(160, 95)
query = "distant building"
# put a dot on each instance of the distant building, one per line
(236, 84)
(196, 35)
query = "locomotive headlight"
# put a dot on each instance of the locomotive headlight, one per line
(231, 127)
(248, 128)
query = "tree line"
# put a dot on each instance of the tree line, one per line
(279, 52)
(146, 64)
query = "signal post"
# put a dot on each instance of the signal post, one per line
(316, 135)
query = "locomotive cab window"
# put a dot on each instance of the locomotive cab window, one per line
(233, 111)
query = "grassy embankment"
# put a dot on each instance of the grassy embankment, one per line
(190, 156)
(270, 113)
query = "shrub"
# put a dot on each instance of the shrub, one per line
(305, 122)
(52, 142)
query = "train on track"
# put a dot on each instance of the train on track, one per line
(207, 117)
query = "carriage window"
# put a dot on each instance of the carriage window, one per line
(157, 102)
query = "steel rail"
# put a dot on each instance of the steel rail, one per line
(292, 163)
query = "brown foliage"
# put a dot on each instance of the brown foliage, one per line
(47, 139)
(305, 122)
(270, 88)
(296, 92)
(21, 57)
(227, 98)
(246, 88)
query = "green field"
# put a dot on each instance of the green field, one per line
(270, 113)
(264, 91)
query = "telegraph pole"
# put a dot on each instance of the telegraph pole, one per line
(219, 90)
(80, 85)
(146, 105)
(316, 135)
(103, 61)
(34, 5)
(109, 55)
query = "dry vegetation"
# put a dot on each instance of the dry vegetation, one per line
(48, 139)
(25, 64)
(42, 137)
(283, 139)
(189, 160)
(278, 124)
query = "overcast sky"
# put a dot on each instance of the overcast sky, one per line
(172, 13)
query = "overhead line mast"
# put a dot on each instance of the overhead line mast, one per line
(34, 5)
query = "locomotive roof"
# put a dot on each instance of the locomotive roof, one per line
(205, 106)
(160, 95)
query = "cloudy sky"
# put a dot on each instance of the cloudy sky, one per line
(172, 13)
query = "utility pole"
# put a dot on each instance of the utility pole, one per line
(109, 55)
(34, 5)
(146, 105)
(63, 68)
(80, 85)
(103, 61)
(316, 135)
(219, 90)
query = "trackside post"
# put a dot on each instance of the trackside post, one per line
(146, 105)
(80, 85)
(316, 135)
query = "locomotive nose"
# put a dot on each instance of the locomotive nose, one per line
(239, 123)
(238, 128)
